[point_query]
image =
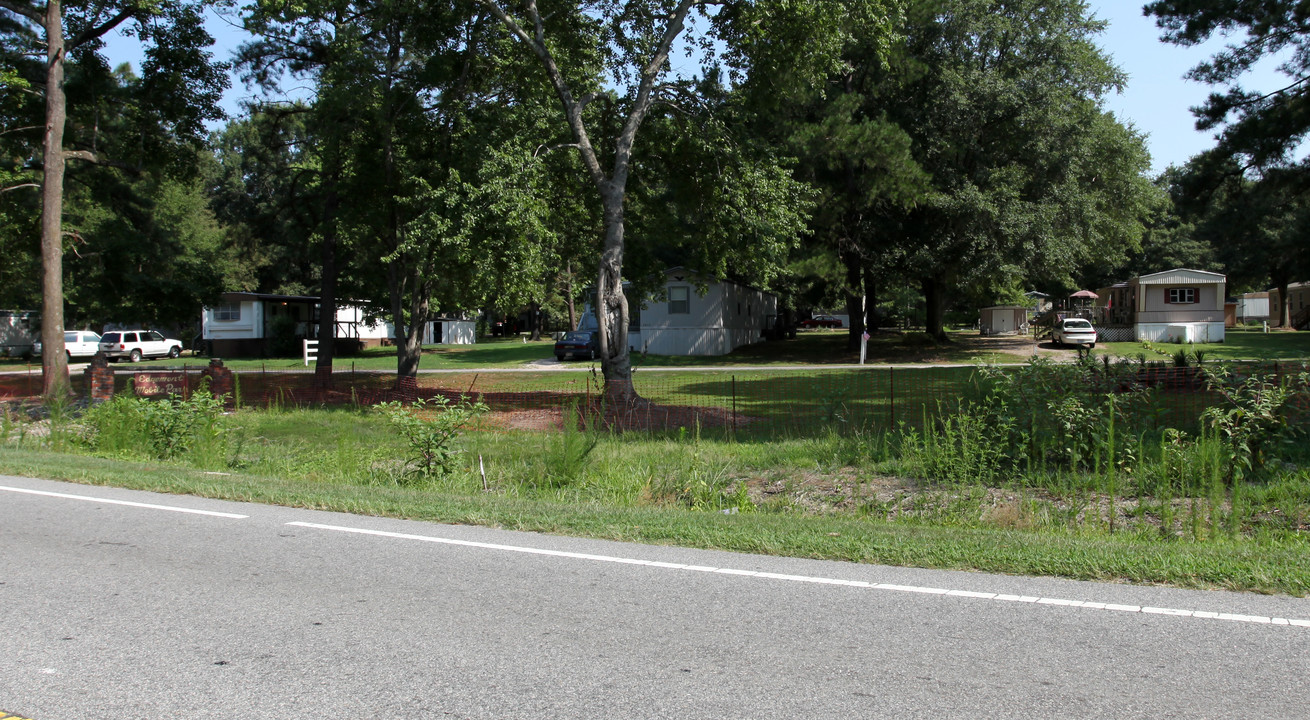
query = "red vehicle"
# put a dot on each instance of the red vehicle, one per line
(821, 321)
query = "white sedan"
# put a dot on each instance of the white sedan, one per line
(1074, 331)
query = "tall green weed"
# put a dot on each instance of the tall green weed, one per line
(129, 426)
(431, 427)
(565, 453)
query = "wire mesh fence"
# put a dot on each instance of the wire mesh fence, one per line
(761, 403)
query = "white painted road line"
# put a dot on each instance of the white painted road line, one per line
(106, 501)
(966, 594)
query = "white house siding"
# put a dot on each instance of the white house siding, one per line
(451, 332)
(1209, 306)
(353, 324)
(1253, 307)
(726, 317)
(250, 326)
(746, 312)
(1186, 332)
(19, 331)
(699, 331)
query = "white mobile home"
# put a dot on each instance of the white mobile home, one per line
(1253, 307)
(244, 324)
(679, 320)
(19, 331)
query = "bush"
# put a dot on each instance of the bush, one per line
(963, 448)
(1067, 414)
(431, 427)
(566, 453)
(159, 429)
(1256, 416)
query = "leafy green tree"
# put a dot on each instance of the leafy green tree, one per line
(267, 193)
(1252, 179)
(1255, 228)
(608, 64)
(1029, 175)
(157, 257)
(178, 92)
(858, 159)
(425, 183)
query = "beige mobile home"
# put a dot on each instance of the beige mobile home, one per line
(1177, 305)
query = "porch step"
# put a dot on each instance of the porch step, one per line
(1301, 320)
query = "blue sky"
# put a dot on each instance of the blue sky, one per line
(1156, 100)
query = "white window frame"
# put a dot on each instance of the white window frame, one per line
(680, 300)
(1182, 296)
(227, 312)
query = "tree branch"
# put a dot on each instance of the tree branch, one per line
(542, 149)
(20, 129)
(84, 155)
(572, 109)
(17, 187)
(98, 31)
(641, 102)
(30, 13)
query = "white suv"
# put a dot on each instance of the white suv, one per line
(77, 343)
(1074, 331)
(137, 344)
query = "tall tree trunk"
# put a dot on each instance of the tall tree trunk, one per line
(1281, 279)
(854, 298)
(934, 297)
(534, 320)
(612, 306)
(568, 297)
(399, 329)
(327, 303)
(54, 363)
(410, 351)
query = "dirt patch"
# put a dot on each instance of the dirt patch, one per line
(649, 417)
(1021, 346)
(847, 491)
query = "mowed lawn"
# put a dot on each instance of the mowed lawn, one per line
(821, 347)
(1238, 344)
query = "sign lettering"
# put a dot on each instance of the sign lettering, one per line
(160, 384)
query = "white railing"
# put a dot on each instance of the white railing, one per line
(310, 350)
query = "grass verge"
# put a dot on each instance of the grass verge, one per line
(1268, 565)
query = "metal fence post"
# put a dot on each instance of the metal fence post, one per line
(891, 396)
(734, 405)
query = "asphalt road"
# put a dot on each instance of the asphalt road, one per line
(112, 610)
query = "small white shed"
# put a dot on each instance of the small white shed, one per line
(1003, 320)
